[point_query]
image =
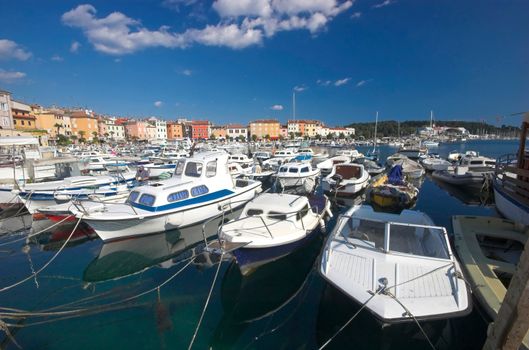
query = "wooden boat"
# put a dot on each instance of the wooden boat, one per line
(511, 182)
(400, 266)
(489, 249)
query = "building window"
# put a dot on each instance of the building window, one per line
(22, 122)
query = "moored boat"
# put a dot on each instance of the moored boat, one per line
(400, 266)
(392, 192)
(346, 179)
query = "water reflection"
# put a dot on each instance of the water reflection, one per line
(277, 287)
(126, 257)
(466, 195)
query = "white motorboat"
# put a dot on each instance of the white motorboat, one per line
(372, 167)
(327, 165)
(351, 153)
(285, 153)
(400, 266)
(455, 156)
(316, 157)
(236, 170)
(297, 174)
(477, 162)
(430, 144)
(413, 152)
(201, 188)
(271, 226)
(160, 170)
(241, 159)
(346, 179)
(464, 176)
(261, 156)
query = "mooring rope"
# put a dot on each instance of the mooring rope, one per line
(383, 290)
(45, 265)
(207, 302)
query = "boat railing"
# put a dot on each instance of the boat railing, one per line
(505, 161)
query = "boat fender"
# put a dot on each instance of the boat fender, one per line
(328, 211)
(322, 225)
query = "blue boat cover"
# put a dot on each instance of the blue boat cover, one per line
(395, 175)
(303, 157)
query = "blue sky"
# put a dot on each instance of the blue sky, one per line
(238, 60)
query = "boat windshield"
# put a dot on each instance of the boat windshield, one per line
(403, 238)
(418, 240)
(179, 167)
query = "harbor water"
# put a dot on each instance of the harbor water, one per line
(149, 292)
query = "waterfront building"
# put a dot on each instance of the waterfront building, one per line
(161, 128)
(23, 118)
(174, 130)
(262, 128)
(283, 132)
(136, 129)
(219, 132)
(234, 131)
(53, 120)
(6, 117)
(110, 129)
(304, 127)
(335, 132)
(150, 131)
(83, 123)
(200, 129)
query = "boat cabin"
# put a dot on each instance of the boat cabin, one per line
(294, 168)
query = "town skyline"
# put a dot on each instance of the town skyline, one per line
(243, 60)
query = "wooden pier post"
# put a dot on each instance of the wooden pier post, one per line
(512, 323)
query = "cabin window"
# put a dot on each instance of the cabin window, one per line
(147, 199)
(282, 169)
(253, 212)
(199, 190)
(277, 216)
(293, 170)
(474, 162)
(305, 170)
(133, 196)
(490, 162)
(179, 167)
(95, 160)
(178, 196)
(193, 169)
(211, 169)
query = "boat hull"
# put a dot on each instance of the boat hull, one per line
(509, 206)
(109, 230)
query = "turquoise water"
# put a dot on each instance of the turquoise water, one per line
(283, 305)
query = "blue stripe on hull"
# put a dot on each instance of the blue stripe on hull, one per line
(248, 258)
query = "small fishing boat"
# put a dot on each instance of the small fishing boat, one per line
(413, 152)
(511, 182)
(159, 170)
(477, 161)
(327, 165)
(391, 192)
(410, 168)
(430, 144)
(346, 179)
(400, 266)
(261, 156)
(464, 176)
(241, 159)
(489, 249)
(351, 153)
(372, 167)
(296, 174)
(201, 188)
(433, 164)
(285, 153)
(455, 156)
(271, 226)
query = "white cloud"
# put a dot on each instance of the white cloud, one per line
(341, 82)
(177, 4)
(323, 82)
(383, 4)
(57, 58)
(117, 60)
(158, 104)
(10, 76)
(236, 8)
(187, 72)
(363, 82)
(277, 107)
(299, 88)
(11, 50)
(243, 23)
(74, 47)
(356, 15)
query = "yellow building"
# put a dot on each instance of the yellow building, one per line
(84, 123)
(50, 119)
(263, 127)
(23, 118)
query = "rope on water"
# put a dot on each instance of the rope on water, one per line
(385, 290)
(45, 265)
(207, 302)
(4, 327)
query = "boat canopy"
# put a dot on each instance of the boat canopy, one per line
(18, 141)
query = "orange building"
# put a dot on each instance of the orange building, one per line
(48, 119)
(200, 129)
(263, 127)
(84, 123)
(174, 130)
(219, 132)
(136, 129)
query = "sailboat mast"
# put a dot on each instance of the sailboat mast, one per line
(375, 138)
(431, 119)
